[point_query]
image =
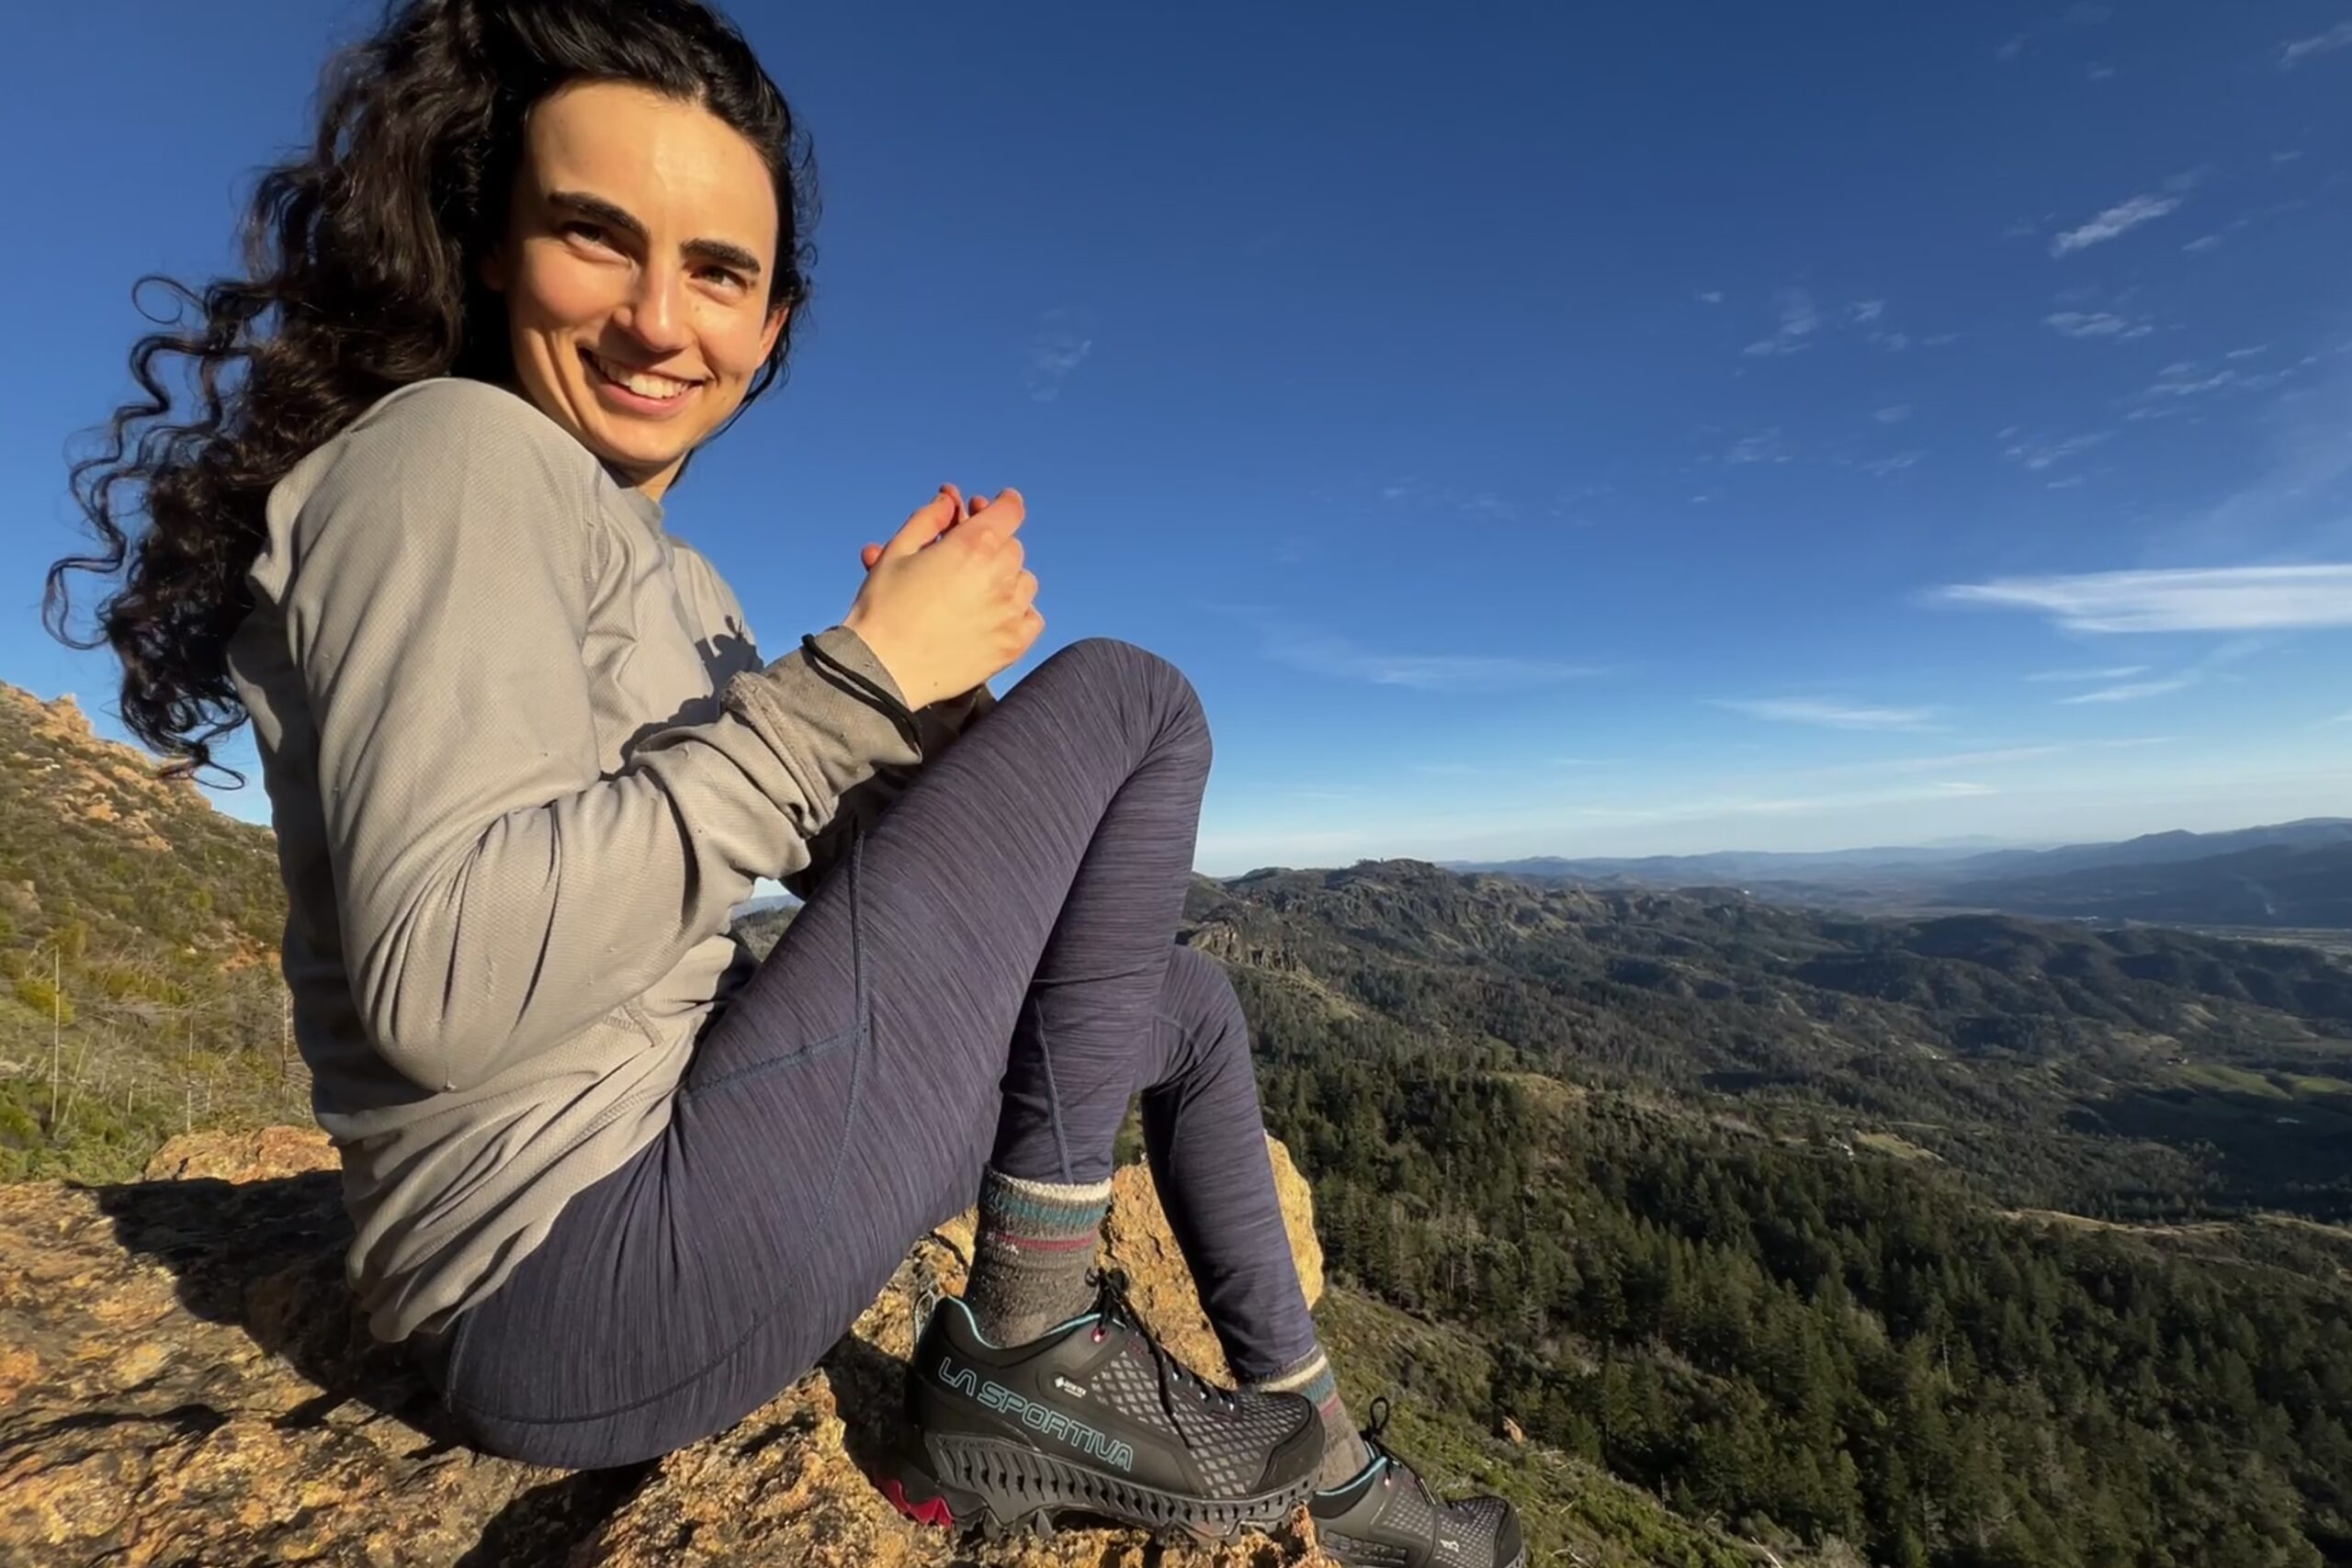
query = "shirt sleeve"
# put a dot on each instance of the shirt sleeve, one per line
(937, 727)
(497, 893)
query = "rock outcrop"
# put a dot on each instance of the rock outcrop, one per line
(183, 1385)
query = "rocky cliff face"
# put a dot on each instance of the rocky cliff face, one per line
(183, 1385)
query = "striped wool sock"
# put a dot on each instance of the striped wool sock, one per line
(1031, 1256)
(1344, 1455)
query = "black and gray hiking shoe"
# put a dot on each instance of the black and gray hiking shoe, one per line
(1094, 1418)
(1387, 1517)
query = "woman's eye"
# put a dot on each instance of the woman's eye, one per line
(591, 233)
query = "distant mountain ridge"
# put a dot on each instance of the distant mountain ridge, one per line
(2288, 875)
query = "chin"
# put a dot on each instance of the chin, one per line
(636, 457)
(624, 444)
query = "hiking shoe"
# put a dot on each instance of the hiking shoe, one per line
(1093, 1417)
(1387, 1517)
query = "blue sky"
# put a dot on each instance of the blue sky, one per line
(1569, 430)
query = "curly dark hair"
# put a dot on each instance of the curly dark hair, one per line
(360, 276)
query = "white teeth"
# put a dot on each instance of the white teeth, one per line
(644, 383)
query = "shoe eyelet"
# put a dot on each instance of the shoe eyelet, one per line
(1100, 1334)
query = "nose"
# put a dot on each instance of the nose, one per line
(656, 310)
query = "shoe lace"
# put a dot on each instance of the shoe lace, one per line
(1373, 1440)
(1112, 1302)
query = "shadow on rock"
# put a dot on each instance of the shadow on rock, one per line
(181, 1368)
(184, 1381)
(266, 1257)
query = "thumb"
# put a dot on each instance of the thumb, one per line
(928, 522)
(871, 555)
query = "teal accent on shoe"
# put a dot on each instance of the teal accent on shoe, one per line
(1358, 1479)
(964, 1307)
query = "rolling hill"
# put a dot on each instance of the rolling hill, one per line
(2292, 875)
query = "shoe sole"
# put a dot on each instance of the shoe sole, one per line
(1000, 1487)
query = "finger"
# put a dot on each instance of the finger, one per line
(1024, 589)
(871, 556)
(1007, 510)
(927, 524)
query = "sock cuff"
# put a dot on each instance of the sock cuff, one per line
(1017, 1211)
(1310, 1376)
(1049, 1191)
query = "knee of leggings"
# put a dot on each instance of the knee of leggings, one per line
(1212, 1009)
(1107, 664)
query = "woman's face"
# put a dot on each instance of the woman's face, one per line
(639, 248)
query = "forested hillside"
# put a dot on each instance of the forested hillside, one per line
(139, 934)
(1797, 1218)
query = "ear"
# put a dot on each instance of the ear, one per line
(491, 269)
(768, 331)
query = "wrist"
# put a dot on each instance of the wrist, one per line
(877, 644)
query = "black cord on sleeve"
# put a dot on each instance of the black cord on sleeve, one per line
(876, 695)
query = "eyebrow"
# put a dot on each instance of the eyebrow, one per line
(598, 209)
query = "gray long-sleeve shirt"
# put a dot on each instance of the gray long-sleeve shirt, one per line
(523, 758)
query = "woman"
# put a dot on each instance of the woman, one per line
(616, 1185)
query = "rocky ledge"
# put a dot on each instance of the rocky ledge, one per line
(182, 1384)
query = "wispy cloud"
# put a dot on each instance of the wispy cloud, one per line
(1864, 312)
(2121, 218)
(2290, 506)
(1058, 348)
(1711, 296)
(2336, 38)
(2344, 717)
(1799, 320)
(1764, 448)
(1894, 413)
(2039, 454)
(2187, 379)
(2097, 324)
(1831, 713)
(1321, 653)
(2131, 691)
(1412, 492)
(1783, 805)
(2123, 673)
(2006, 756)
(2252, 598)
(1894, 464)
(2083, 13)
(1949, 762)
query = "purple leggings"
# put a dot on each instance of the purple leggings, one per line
(990, 974)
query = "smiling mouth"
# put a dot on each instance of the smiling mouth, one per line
(644, 383)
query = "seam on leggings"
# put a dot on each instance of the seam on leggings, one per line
(861, 1031)
(1053, 1096)
(824, 1047)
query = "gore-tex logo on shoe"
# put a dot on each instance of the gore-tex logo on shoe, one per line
(1042, 1419)
(1068, 1387)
